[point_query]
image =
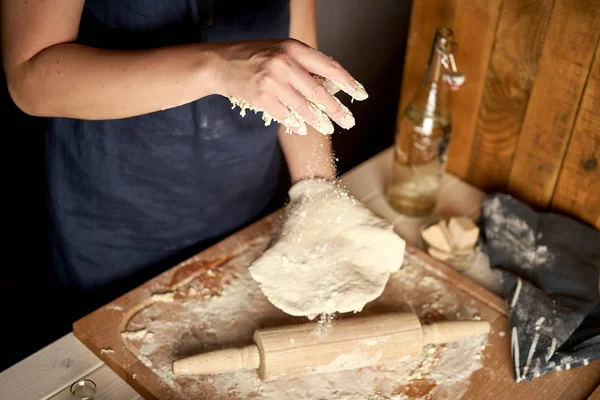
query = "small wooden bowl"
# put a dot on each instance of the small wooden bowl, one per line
(459, 260)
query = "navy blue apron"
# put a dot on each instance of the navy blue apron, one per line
(128, 195)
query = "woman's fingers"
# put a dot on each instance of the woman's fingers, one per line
(311, 94)
(284, 115)
(295, 84)
(305, 108)
(318, 63)
(331, 87)
(270, 106)
(318, 93)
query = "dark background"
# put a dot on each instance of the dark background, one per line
(367, 37)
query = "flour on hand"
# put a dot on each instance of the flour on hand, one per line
(332, 254)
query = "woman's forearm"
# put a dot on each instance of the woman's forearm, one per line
(75, 81)
(49, 74)
(308, 156)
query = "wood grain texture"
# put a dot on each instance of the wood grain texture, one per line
(578, 190)
(103, 328)
(294, 351)
(108, 387)
(526, 64)
(66, 360)
(472, 58)
(508, 83)
(563, 71)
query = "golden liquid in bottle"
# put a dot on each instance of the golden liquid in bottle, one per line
(419, 162)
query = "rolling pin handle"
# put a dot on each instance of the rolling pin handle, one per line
(217, 362)
(451, 331)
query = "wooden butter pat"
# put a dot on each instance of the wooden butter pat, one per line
(464, 232)
(438, 255)
(434, 236)
(446, 231)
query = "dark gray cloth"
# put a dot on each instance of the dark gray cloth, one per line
(550, 267)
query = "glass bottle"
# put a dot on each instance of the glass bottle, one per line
(423, 133)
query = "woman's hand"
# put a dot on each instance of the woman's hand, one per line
(50, 75)
(281, 79)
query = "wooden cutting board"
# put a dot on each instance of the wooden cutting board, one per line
(210, 302)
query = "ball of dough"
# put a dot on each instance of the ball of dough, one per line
(332, 254)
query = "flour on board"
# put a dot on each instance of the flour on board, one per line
(191, 325)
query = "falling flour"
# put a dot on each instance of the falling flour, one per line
(194, 324)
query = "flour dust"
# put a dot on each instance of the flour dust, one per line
(208, 318)
(515, 236)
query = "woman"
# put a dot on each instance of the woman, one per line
(145, 157)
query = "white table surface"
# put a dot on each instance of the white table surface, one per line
(49, 372)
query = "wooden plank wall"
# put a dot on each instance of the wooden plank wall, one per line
(527, 120)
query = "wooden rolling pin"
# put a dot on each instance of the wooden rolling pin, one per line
(297, 350)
